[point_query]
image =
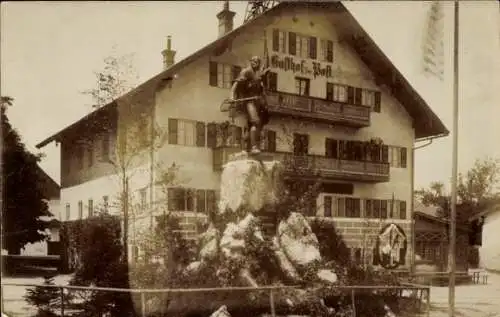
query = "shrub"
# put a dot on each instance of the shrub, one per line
(45, 299)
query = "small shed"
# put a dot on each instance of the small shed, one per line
(432, 239)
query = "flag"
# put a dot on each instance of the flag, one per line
(433, 46)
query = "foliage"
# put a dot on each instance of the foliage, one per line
(477, 190)
(96, 241)
(117, 77)
(45, 299)
(23, 194)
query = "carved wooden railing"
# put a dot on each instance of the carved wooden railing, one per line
(323, 166)
(319, 109)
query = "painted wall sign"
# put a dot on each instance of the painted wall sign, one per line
(301, 67)
(391, 246)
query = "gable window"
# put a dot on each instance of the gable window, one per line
(105, 146)
(91, 207)
(279, 41)
(222, 75)
(325, 50)
(302, 86)
(397, 156)
(90, 153)
(80, 209)
(336, 92)
(105, 200)
(68, 211)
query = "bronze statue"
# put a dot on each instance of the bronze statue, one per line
(248, 89)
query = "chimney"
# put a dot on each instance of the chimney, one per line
(168, 54)
(225, 19)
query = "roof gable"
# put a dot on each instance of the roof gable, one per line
(426, 122)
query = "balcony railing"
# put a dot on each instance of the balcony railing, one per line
(318, 109)
(315, 165)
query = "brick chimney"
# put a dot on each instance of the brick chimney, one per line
(225, 19)
(168, 54)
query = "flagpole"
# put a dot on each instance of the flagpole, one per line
(454, 172)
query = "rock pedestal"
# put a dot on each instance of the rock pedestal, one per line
(251, 187)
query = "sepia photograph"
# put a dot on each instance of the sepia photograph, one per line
(250, 158)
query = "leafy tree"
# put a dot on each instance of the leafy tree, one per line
(23, 196)
(477, 190)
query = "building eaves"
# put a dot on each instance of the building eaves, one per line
(426, 122)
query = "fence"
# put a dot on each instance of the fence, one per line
(416, 293)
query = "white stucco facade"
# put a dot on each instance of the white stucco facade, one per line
(489, 252)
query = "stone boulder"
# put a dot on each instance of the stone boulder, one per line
(249, 184)
(297, 240)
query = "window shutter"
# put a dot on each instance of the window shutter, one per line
(172, 131)
(358, 96)
(200, 134)
(292, 43)
(327, 206)
(236, 70)
(329, 91)
(385, 154)
(200, 201)
(211, 201)
(350, 94)
(329, 51)
(171, 199)
(330, 148)
(313, 44)
(271, 141)
(368, 208)
(272, 81)
(276, 40)
(213, 74)
(403, 157)
(211, 135)
(378, 97)
(383, 209)
(402, 209)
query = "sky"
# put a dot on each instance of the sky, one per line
(50, 51)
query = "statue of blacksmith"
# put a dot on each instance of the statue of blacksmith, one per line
(249, 89)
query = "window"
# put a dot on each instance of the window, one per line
(336, 92)
(371, 98)
(222, 75)
(268, 141)
(105, 200)
(397, 156)
(143, 198)
(327, 205)
(302, 86)
(91, 207)
(80, 209)
(185, 199)
(186, 132)
(105, 146)
(180, 199)
(326, 50)
(402, 209)
(211, 135)
(90, 153)
(352, 207)
(68, 211)
(300, 144)
(279, 41)
(79, 156)
(272, 81)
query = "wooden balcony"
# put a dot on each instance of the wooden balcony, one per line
(318, 109)
(315, 165)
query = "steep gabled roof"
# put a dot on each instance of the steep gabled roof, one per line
(426, 123)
